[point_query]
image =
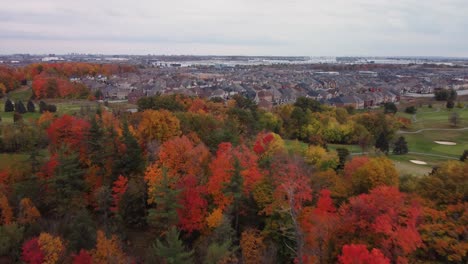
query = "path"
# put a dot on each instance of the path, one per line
(431, 129)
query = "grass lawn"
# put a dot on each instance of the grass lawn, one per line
(24, 94)
(424, 142)
(435, 117)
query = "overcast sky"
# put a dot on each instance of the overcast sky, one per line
(236, 27)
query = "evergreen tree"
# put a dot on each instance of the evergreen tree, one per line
(172, 250)
(19, 107)
(68, 182)
(95, 139)
(401, 147)
(234, 189)
(382, 143)
(464, 156)
(9, 107)
(131, 161)
(31, 107)
(132, 206)
(164, 215)
(390, 108)
(42, 107)
(343, 154)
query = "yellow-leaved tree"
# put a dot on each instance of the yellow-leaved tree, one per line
(52, 248)
(28, 213)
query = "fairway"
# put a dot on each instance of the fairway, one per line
(436, 117)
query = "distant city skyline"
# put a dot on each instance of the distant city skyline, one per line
(240, 27)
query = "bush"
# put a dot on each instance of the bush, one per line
(410, 110)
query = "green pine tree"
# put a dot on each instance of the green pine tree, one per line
(401, 147)
(164, 215)
(172, 250)
(68, 182)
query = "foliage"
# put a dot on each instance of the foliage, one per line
(359, 254)
(172, 250)
(108, 250)
(401, 147)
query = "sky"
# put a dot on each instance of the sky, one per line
(236, 27)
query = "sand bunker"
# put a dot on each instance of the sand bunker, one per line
(448, 143)
(420, 162)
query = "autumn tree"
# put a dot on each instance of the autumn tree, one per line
(159, 125)
(357, 253)
(31, 252)
(52, 248)
(6, 213)
(28, 213)
(118, 190)
(384, 219)
(222, 170)
(376, 172)
(108, 250)
(447, 185)
(319, 224)
(83, 257)
(443, 233)
(252, 246)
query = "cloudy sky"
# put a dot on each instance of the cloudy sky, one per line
(236, 27)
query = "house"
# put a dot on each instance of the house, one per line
(135, 95)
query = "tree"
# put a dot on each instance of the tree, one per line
(68, 183)
(401, 147)
(132, 206)
(319, 224)
(159, 125)
(382, 143)
(108, 250)
(163, 194)
(28, 213)
(19, 107)
(464, 156)
(450, 104)
(32, 252)
(376, 172)
(385, 219)
(52, 247)
(358, 254)
(252, 246)
(172, 251)
(410, 110)
(343, 155)
(11, 237)
(390, 108)
(131, 161)
(454, 118)
(83, 257)
(443, 233)
(118, 190)
(9, 106)
(6, 213)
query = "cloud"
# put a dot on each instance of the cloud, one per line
(248, 27)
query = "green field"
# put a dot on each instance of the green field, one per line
(435, 117)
